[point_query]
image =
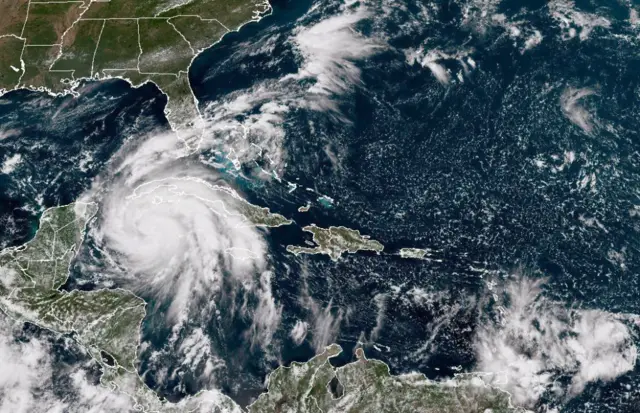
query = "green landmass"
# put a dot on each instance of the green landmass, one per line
(107, 324)
(37, 61)
(415, 253)
(146, 400)
(31, 277)
(79, 45)
(262, 217)
(138, 40)
(164, 48)
(181, 108)
(12, 17)
(226, 202)
(47, 22)
(334, 241)
(10, 65)
(365, 386)
(197, 30)
(118, 47)
(50, 46)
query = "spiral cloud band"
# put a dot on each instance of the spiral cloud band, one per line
(178, 236)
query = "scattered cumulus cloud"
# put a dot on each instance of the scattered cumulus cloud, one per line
(28, 384)
(247, 125)
(436, 61)
(531, 341)
(574, 22)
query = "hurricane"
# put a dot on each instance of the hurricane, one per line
(173, 232)
(300, 193)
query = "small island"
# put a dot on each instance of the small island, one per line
(107, 324)
(334, 241)
(415, 253)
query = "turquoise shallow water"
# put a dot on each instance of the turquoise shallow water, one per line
(524, 160)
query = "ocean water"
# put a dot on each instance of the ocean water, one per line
(500, 136)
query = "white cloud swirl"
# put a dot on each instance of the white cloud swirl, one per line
(175, 238)
(173, 232)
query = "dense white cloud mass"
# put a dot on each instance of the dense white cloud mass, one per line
(26, 369)
(173, 236)
(535, 340)
(32, 380)
(330, 49)
(172, 232)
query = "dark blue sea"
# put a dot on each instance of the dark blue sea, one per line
(496, 135)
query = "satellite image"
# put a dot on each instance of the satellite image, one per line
(319, 206)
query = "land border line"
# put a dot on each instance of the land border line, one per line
(139, 45)
(22, 64)
(219, 22)
(95, 51)
(59, 2)
(88, 5)
(26, 19)
(112, 69)
(72, 83)
(177, 75)
(182, 3)
(181, 35)
(155, 18)
(80, 18)
(15, 36)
